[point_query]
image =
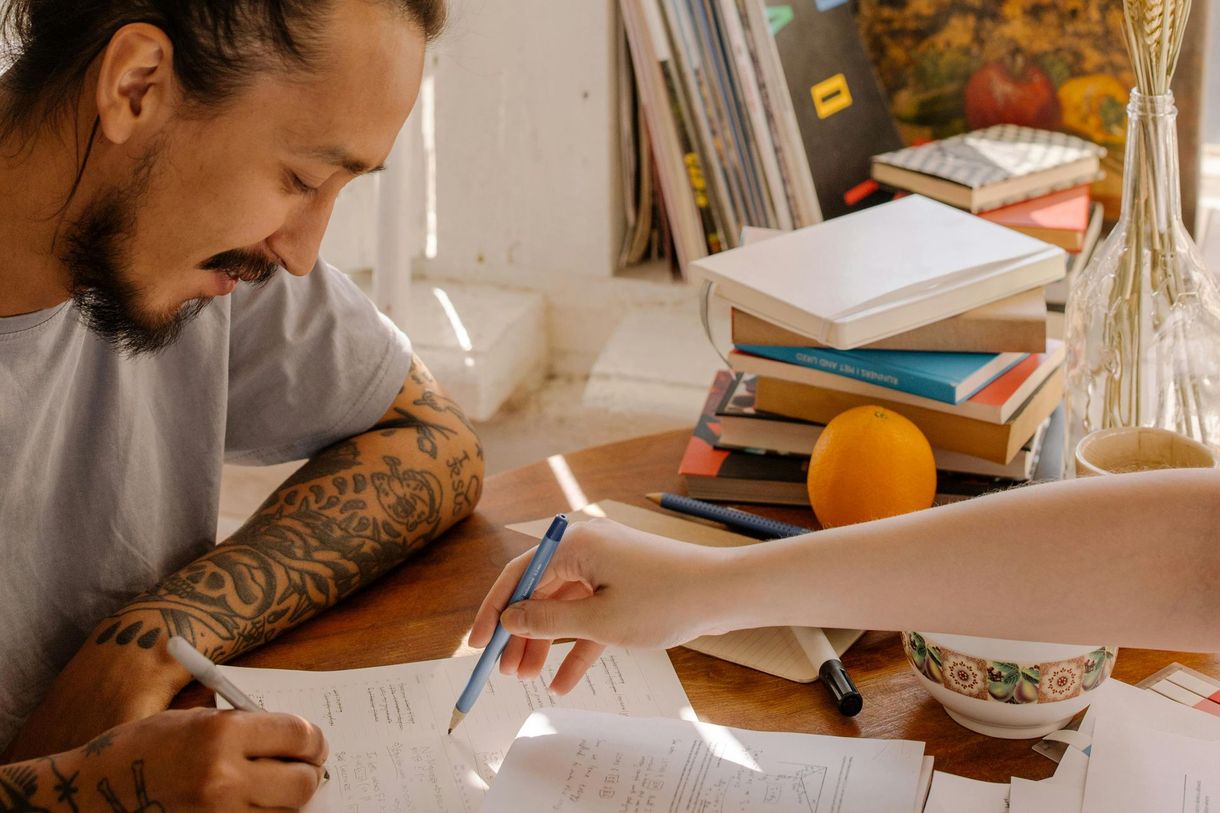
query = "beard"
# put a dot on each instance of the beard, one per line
(97, 257)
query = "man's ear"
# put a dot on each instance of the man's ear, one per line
(135, 83)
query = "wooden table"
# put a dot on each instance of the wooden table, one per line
(424, 610)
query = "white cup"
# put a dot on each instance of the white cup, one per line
(1139, 448)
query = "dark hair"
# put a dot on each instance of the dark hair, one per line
(218, 44)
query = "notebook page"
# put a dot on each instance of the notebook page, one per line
(565, 761)
(387, 725)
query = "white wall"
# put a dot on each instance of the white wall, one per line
(526, 138)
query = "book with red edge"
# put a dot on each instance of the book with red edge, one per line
(995, 403)
(1060, 218)
(712, 473)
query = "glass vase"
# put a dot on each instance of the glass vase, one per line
(1143, 317)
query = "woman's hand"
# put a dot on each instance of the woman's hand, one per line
(606, 585)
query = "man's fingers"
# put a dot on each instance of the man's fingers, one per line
(285, 785)
(282, 736)
(583, 655)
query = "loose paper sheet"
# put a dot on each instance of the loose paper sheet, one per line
(1135, 768)
(1062, 793)
(387, 725)
(566, 761)
(957, 794)
(1137, 706)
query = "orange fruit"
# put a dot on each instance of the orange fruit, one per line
(870, 463)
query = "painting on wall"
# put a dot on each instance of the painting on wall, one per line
(954, 65)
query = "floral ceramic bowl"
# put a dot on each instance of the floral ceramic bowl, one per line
(1009, 689)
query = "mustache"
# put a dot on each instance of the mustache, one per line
(247, 266)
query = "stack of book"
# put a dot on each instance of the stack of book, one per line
(1033, 181)
(914, 306)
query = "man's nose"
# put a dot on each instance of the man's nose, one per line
(298, 242)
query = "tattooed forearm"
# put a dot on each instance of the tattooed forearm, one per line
(348, 516)
(429, 433)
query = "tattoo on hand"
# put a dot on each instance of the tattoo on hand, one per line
(19, 786)
(65, 786)
(143, 803)
(99, 744)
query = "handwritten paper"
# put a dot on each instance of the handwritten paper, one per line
(569, 761)
(387, 725)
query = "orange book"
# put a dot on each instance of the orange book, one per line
(1060, 218)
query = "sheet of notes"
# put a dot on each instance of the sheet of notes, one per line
(566, 760)
(387, 725)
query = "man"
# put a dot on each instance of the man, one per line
(168, 168)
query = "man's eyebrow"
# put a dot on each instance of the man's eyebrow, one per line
(344, 159)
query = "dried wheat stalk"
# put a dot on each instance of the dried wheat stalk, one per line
(1154, 32)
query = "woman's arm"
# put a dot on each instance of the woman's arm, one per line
(1132, 560)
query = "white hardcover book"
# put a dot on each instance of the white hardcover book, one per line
(879, 272)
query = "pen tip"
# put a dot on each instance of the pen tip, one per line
(655, 497)
(450, 731)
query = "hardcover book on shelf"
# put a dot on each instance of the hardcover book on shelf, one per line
(679, 164)
(947, 377)
(842, 112)
(880, 272)
(997, 442)
(992, 167)
(1060, 218)
(994, 403)
(743, 426)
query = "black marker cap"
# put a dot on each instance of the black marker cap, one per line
(842, 690)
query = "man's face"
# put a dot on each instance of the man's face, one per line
(178, 216)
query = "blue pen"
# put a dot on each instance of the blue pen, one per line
(525, 588)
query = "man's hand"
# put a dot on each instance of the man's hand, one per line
(97, 691)
(198, 760)
(607, 584)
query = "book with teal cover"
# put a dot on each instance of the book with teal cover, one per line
(947, 377)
